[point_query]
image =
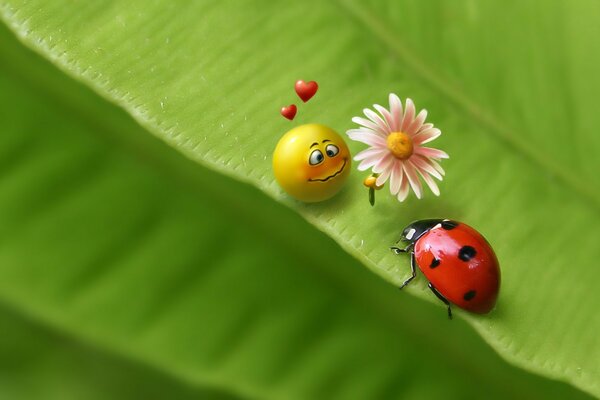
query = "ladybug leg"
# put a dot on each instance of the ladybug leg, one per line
(413, 269)
(398, 250)
(442, 298)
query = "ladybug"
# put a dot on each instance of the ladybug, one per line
(459, 263)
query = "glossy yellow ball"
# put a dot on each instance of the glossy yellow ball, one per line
(311, 162)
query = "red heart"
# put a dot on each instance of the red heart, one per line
(289, 112)
(306, 90)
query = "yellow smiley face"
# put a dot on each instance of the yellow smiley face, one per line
(311, 162)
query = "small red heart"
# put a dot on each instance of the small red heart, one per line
(306, 90)
(289, 112)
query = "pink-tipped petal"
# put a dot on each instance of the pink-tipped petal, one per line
(424, 166)
(372, 115)
(396, 177)
(367, 137)
(370, 152)
(386, 116)
(396, 112)
(435, 165)
(368, 162)
(426, 136)
(413, 179)
(409, 115)
(432, 153)
(415, 126)
(404, 189)
(363, 130)
(385, 174)
(427, 178)
(431, 183)
(367, 124)
(384, 163)
(425, 127)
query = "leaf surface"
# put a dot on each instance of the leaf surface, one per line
(512, 86)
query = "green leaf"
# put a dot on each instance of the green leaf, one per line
(512, 86)
(37, 363)
(178, 283)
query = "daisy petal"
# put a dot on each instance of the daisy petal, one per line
(426, 136)
(428, 179)
(370, 152)
(362, 130)
(432, 153)
(367, 124)
(404, 189)
(367, 138)
(423, 165)
(417, 123)
(372, 159)
(413, 179)
(396, 177)
(384, 163)
(396, 112)
(385, 174)
(409, 115)
(368, 162)
(432, 185)
(435, 165)
(385, 114)
(381, 124)
(425, 127)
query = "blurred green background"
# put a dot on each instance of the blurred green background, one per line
(128, 270)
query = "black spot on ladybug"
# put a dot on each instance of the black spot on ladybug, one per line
(449, 225)
(434, 263)
(469, 295)
(466, 253)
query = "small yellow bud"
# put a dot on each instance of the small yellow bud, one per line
(371, 182)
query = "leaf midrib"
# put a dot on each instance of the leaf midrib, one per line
(378, 27)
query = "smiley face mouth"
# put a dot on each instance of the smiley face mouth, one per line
(331, 176)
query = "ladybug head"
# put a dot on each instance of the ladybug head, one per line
(415, 230)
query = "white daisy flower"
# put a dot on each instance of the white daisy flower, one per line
(396, 153)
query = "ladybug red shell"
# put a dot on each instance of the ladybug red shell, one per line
(459, 263)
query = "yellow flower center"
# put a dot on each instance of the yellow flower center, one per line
(400, 144)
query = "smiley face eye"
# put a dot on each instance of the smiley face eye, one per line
(332, 150)
(316, 157)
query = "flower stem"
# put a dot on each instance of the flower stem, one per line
(372, 196)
